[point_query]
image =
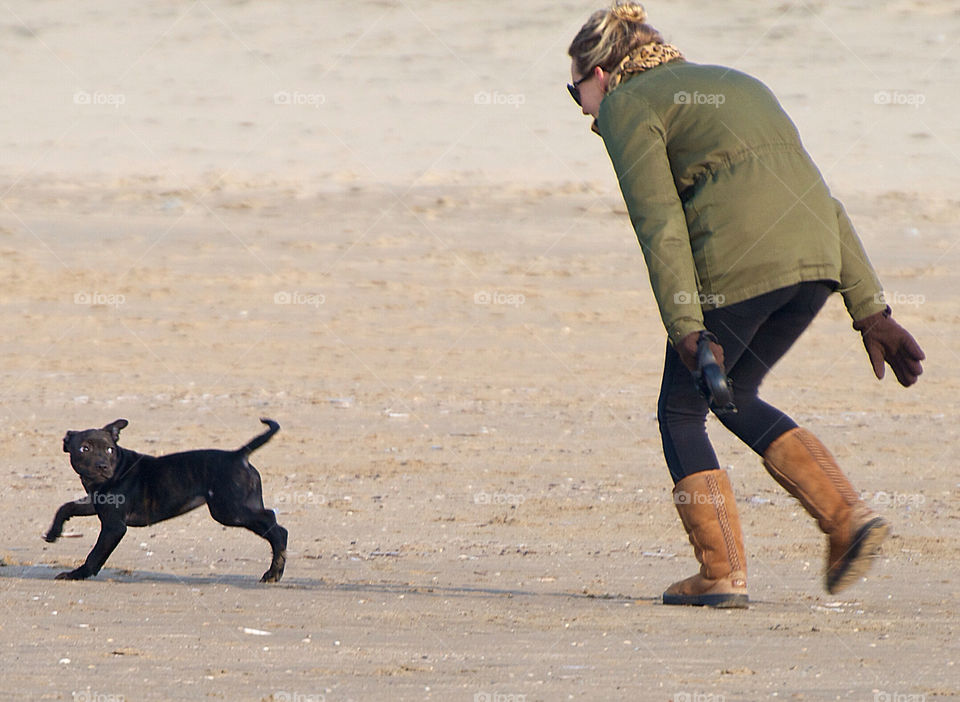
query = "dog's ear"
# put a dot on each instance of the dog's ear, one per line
(67, 438)
(115, 427)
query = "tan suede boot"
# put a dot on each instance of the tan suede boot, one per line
(708, 511)
(804, 467)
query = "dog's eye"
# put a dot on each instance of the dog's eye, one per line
(84, 448)
(109, 449)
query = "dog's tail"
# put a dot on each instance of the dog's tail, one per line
(258, 441)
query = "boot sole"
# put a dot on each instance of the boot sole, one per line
(729, 601)
(861, 555)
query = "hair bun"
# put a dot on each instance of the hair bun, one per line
(629, 12)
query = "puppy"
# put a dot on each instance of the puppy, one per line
(126, 488)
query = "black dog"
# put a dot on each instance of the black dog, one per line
(126, 488)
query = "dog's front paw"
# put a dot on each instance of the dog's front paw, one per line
(50, 537)
(77, 574)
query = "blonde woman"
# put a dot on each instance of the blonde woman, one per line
(743, 242)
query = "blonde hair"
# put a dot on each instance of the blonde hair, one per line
(610, 35)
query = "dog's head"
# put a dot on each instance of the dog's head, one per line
(94, 452)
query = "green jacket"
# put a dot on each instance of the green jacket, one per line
(725, 201)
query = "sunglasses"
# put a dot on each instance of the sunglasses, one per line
(574, 87)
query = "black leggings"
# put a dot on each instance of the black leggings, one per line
(754, 335)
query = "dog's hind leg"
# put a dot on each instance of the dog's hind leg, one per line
(267, 527)
(262, 522)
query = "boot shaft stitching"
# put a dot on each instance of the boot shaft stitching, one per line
(829, 467)
(733, 555)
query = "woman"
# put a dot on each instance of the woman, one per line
(743, 241)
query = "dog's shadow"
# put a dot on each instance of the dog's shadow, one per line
(113, 576)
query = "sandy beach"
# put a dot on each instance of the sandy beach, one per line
(386, 226)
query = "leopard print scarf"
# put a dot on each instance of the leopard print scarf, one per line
(647, 56)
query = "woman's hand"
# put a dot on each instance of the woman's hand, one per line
(687, 348)
(885, 340)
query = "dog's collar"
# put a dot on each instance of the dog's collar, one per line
(128, 459)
